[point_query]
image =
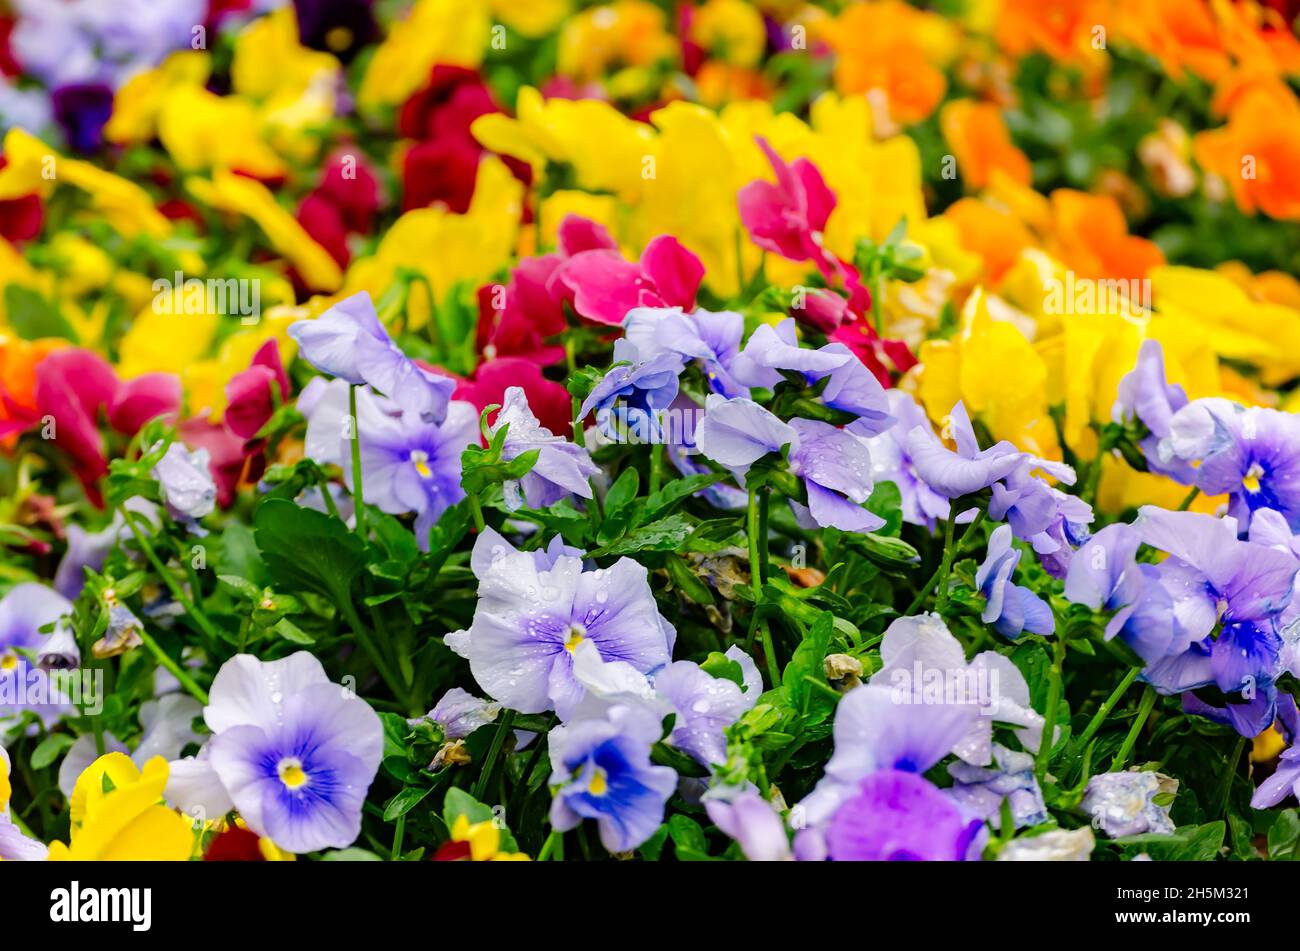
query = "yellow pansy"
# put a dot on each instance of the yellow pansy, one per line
(730, 29)
(484, 841)
(35, 168)
(117, 814)
(240, 195)
(293, 86)
(1212, 306)
(993, 368)
(446, 248)
(205, 380)
(607, 150)
(630, 33)
(449, 32)
(201, 131)
(533, 19)
(138, 102)
(6, 790)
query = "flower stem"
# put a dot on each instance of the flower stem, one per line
(494, 751)
(945, 566)
(1189, 499)
(1054, 689)
(554, 843)
(476, 510)
(172, 584)
(755, 527)
(1225, 789)
(1144, 711)
(175, 669)
(358, 496)
(656, 466)
(1109, 704)
(395, 852)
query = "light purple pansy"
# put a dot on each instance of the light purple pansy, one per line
(460, 713)
(167, 726)
(752, 821)
(185, 480)
(15, 845)
(711, 339)
(1144, 395)
(630, 399)
(896, 816)
(1250, 454)
(24, 610)
(531, 616)
(1123, 804)
(601, 770)
(924, 664)
(982, 789)
(969, 469)
(1011, 608)
(706, 705)
(891, 462)
(348, 341)
(295, 753)
(562, 469)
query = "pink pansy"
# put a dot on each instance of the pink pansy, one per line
(142, 399)
(605, 286)
(252, 394)
(517, 323)
(788, 217)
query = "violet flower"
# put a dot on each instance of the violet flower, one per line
(601, 769)
(295, 752)
(706, 705)
(531, 616)
(891, 462)
(969, 469)
(1010, 608)
(348, 341)
(562, 468)
(24, 610)
(630, 399)
(710, 339)
(982, 789)
(460, 713)
(1143, 394)
(1122, 804)
(185, 481)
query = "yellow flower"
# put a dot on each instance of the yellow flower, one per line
(137, 104)
(626, 32)
(240, 195)
(993, 368)
(484, 841)
(35, 168)
(1212, 308)
(730, 29)
(446, 248)
(607, 150)
(5, 789)
(533, 19)
(117, 814)
(201, 131)
(205, 380)
(450, 32)
(293, 86)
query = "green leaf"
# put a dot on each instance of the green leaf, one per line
(686, 580)
(675, 491)
(350, 855)
(688, 838)
(622, 492)
(405, 801)
(49, 749)
(307, 549)
(292, 632)
(33, 317)
(242, 587)
(1284, 837)
(724, 668)
(667, 534)
(807, 661)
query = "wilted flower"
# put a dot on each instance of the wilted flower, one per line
(1123, 804)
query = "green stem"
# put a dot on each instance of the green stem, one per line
(377, 658)
(554, 843)
(1109, 704)
(656, 466)
(1054, 690)
(395, 852)
(754, 527)
(358, 496)
(1190, 498)
(494, 751)
(1144, 711)
(172, 584)
(945, 568)
(476, 510)
(521, 790)
(1225, 789)
(175, 669)
(945, 565)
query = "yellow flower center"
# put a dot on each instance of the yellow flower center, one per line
(420, 459)
(291, 773)
(599, 784)
(1250, 481)
(8, 661)
(338, 39)
(577, 634)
